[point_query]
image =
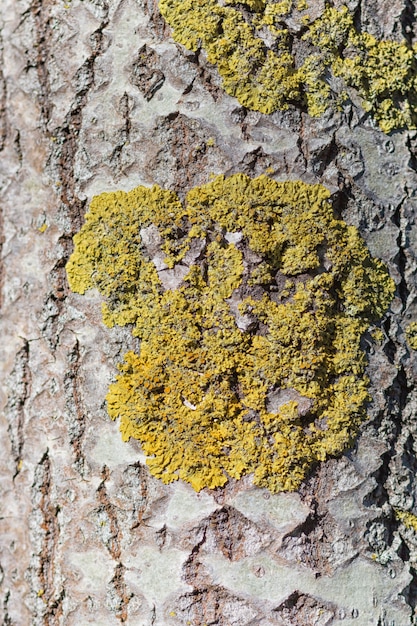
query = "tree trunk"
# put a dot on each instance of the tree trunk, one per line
(97, 96)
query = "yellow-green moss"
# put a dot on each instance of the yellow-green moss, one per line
(253, 363)
(411, 335)
(266, 79)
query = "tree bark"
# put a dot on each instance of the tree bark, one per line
(96, 96)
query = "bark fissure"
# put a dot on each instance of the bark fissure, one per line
(401, 258)
(39, 12)
(111, 534)
(7, 621)
(3, 98)
(49, 594)
(124, 132)
(75, 407)
(408, 20)
(156, 21)
(135, 477)
(115, 533)
(118, 586)
(19, 391)
(61, 166)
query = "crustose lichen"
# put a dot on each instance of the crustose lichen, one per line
(250, 302)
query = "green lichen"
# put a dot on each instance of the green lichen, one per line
(265, 77)
(411, 335)
(250, 302)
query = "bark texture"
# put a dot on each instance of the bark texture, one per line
(96, 96)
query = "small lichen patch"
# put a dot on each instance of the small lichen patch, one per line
(250, 302)
(411, 335)
(408, 519)
(253, 50)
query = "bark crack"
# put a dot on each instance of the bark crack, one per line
(6, 617)
(111, 535)
(19, 386)
(114, 533)
(45, 535)
(3, 98)
(124, 132)
(61, 166)
(76, 418)
(41, 45)
(119, 590)
(135, 477)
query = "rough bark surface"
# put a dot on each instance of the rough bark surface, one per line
(96, 96)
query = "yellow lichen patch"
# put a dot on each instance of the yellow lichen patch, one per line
(383, 72)
(265, 77)
(250, 301)
(408, 519)
(411, 335)
(377, 336)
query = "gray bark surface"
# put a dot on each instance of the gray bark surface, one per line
(96, 96)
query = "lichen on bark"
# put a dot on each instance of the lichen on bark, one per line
(250, 301)
(255, 55)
